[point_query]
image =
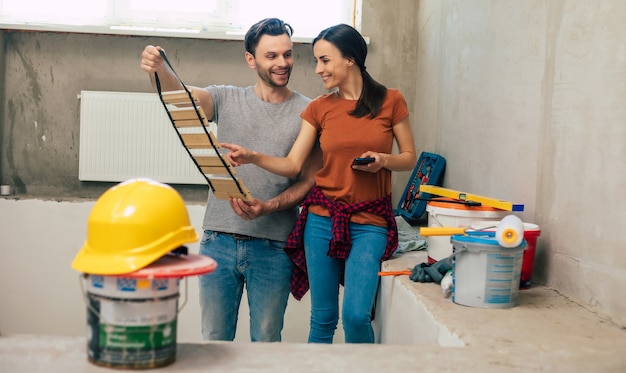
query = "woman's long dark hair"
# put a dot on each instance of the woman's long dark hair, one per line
(352, 46)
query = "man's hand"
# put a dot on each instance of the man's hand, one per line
(252, 209)
(289, 198)
(151, 59)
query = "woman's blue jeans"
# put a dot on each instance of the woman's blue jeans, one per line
(360, 278)
(263, 267)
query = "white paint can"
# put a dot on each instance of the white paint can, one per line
(444, 213)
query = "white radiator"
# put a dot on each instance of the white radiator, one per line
(125, 135)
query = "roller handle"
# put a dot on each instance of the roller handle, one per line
(441, 231)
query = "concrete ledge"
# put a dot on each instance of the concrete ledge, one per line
(31, 354)
(545, 332)
(542, 322)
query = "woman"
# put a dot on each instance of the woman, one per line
(347, 225)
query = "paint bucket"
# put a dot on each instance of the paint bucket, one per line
(485, 274)
(531, 232)
(132, 318)
(131, 321)
(443, 213)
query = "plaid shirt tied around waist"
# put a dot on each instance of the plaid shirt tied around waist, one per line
(340, 242)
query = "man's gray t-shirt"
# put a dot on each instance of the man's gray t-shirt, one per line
(244, 119)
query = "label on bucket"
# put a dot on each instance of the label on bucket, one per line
(132, 288)
(499, 285)
(485, 275)
(115, 312)
(141, 337)
(132, 333)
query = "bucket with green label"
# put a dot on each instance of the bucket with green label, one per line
(131, 318)
(131, 321)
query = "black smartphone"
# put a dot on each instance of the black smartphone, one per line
(362, 161)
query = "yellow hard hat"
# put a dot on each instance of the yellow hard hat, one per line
(131, 225)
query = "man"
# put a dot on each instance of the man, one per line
(247, 239)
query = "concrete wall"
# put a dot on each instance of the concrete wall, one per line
(42, 295)
(39, 158)
(45, 72)
(525, 100)
(2, 89)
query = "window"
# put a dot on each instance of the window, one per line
(210, 19)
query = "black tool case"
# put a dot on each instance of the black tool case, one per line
(429, 170)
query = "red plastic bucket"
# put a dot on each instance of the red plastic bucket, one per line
(531, 232)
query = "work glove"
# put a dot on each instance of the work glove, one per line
(425, 272)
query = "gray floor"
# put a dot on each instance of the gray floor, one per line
(67, 354)
(544, 332)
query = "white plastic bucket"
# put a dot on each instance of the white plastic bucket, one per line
(442, 213)
(485, 274)
(131, 321)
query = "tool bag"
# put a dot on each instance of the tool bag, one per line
(429, 170)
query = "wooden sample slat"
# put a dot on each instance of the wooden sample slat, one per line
(196, 141)
(226, 188)
(209, 161)
(177, 97)
(188, 123)
(214, 165)
(214, 140)
(221, 170)
(185, 113)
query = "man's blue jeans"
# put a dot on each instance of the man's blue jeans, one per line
(263, 267)
(360, 280)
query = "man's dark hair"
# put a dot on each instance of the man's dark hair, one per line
(267, 26)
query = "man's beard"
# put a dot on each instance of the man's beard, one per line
(267, 78)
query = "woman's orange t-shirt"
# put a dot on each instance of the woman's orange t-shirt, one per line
(342, 138)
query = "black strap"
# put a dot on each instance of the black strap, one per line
(466, 203)
(215, 146)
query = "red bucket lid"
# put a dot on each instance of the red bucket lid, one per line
(171, 266)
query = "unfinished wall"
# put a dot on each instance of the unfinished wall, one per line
(2, 85)
(46, 71)
(526, 102)
(39, 156)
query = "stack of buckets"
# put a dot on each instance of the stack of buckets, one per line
(132, 264)
(132, 318)
(485, 274)
(131, 321)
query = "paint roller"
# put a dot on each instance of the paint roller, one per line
(509, 231)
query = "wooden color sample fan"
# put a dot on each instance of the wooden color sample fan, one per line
(190, 123)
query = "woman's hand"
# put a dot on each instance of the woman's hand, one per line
(237, 155)
(372, 167)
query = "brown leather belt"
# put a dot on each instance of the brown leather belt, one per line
(238, 236)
